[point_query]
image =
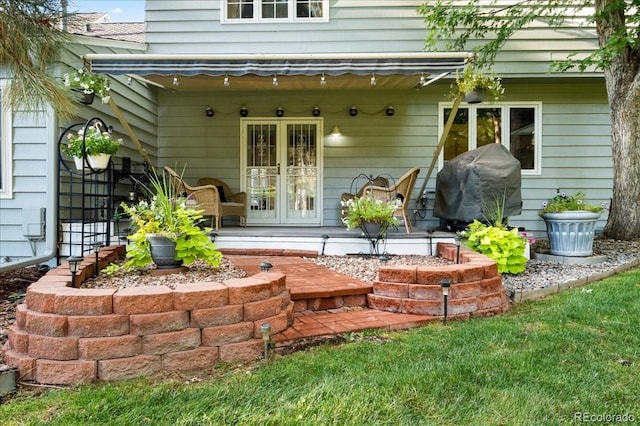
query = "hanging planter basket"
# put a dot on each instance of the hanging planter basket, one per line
(475, 96)
(99, 162)
(84, 98)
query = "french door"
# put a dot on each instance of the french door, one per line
(281, 161)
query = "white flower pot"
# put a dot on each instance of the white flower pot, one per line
(571, 233)
(99, 162)
(78, 161)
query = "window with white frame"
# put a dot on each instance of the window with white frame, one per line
(515, 125)
(5, 148)
(275, 10)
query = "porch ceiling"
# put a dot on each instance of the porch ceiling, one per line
(293, 72)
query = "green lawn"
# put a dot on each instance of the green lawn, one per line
(543, 363)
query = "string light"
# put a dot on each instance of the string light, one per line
(373, 79)
(175, 80)
(226, 81)
(275, 81)
(323, 80)
(423, 80)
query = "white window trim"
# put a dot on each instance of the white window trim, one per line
(537, 170)
(257, 15)
(6, 180)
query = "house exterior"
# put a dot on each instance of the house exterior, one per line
(250, 91)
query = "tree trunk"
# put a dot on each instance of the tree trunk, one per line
(624, 215)
(623, 90)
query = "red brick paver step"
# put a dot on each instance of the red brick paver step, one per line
(305, 279)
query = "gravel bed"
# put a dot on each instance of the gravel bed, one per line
(542, 274)
(538, 274)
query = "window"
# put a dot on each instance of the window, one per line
(516, 126)
(6, 182)
(272, 10)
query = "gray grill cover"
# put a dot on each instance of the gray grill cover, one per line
(468, 186)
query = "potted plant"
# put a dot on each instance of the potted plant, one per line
(88, 85)
(94, 142)
(477, 86)
(496, 240)
(167, 230)
(371, 215)
(570, 224)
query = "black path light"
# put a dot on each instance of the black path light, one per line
(384, 258)
(430, 236)
(446, 285)
(212, 236)
(325, 238)
(96, 249)
(265, 266)
(265, 329)
(74, 265)
(458, 240)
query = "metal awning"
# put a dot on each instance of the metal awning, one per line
(429, 65)
(265, 65)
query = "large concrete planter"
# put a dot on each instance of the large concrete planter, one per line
(571, 233)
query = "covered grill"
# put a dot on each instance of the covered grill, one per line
(469, 186)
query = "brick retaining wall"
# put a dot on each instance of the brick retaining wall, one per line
(65, 335)
(476, 287)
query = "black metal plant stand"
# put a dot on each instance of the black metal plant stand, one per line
(84, 200)
(374, 234)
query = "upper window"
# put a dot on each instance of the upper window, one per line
(5, 148)
(516, 126)
(271, 10)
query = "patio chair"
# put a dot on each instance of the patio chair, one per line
(216, 200)
(401, 190)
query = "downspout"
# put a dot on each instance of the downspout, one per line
(51, 218)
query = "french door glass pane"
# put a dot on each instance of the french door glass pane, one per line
(457, 140)
(522, 137)
(262, 167)
(489, 126)
(302, 173)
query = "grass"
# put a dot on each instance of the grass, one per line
(542, 363)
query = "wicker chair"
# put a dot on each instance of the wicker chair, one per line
(209, 199)
(402, 190)
(231, 203)
(377, 181)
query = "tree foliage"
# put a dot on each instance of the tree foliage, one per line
(30, 42)
(484, 26)
(454, 24)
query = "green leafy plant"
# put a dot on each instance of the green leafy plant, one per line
(472, 79)
(496, 241)
(563, 202)
(88, 82)
(96, 141)
(167, 215)
(505, 246)
(358, 210)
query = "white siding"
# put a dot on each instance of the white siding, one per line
(35, 138)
